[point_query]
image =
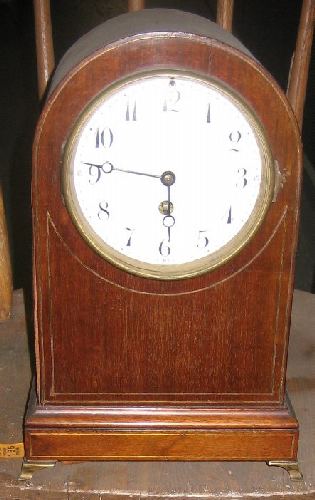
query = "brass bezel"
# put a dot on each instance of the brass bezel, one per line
(198, 266)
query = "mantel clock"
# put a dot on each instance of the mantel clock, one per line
(165, 202)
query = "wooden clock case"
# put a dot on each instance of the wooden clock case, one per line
(130, 368)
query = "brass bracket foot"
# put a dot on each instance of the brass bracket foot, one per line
(292, 468)
(31, 466)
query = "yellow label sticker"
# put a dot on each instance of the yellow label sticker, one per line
(15, 450)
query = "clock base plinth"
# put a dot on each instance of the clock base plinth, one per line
(125, 432)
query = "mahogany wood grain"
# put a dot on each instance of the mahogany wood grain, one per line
(201, 354)
(225, 14)
(134, 5)
(163, 445)
(191, 369)
(301, 59)
(133, 417)
(120, 433)
(6, 286)
(44, 44)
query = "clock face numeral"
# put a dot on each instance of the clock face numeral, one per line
(209, 114)
(235, 137)
(172, 99)
(203, 240)
(94, 173)
(242, 179)
(131, 111)
(229, 217)
(164, 248)
(103, 213)
(129, 236)
(104, 138)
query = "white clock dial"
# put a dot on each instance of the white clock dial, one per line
(167, 174)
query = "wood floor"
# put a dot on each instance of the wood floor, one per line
(158, 480)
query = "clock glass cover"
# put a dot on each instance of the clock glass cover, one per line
(167, 174)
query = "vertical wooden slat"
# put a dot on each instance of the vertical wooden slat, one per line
(299, 70)
(44, 43)
(6, 287)
(134, 5)
(225, 14)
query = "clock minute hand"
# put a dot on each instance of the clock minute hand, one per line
(137, 173)
(168, 179)
(108, 167)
